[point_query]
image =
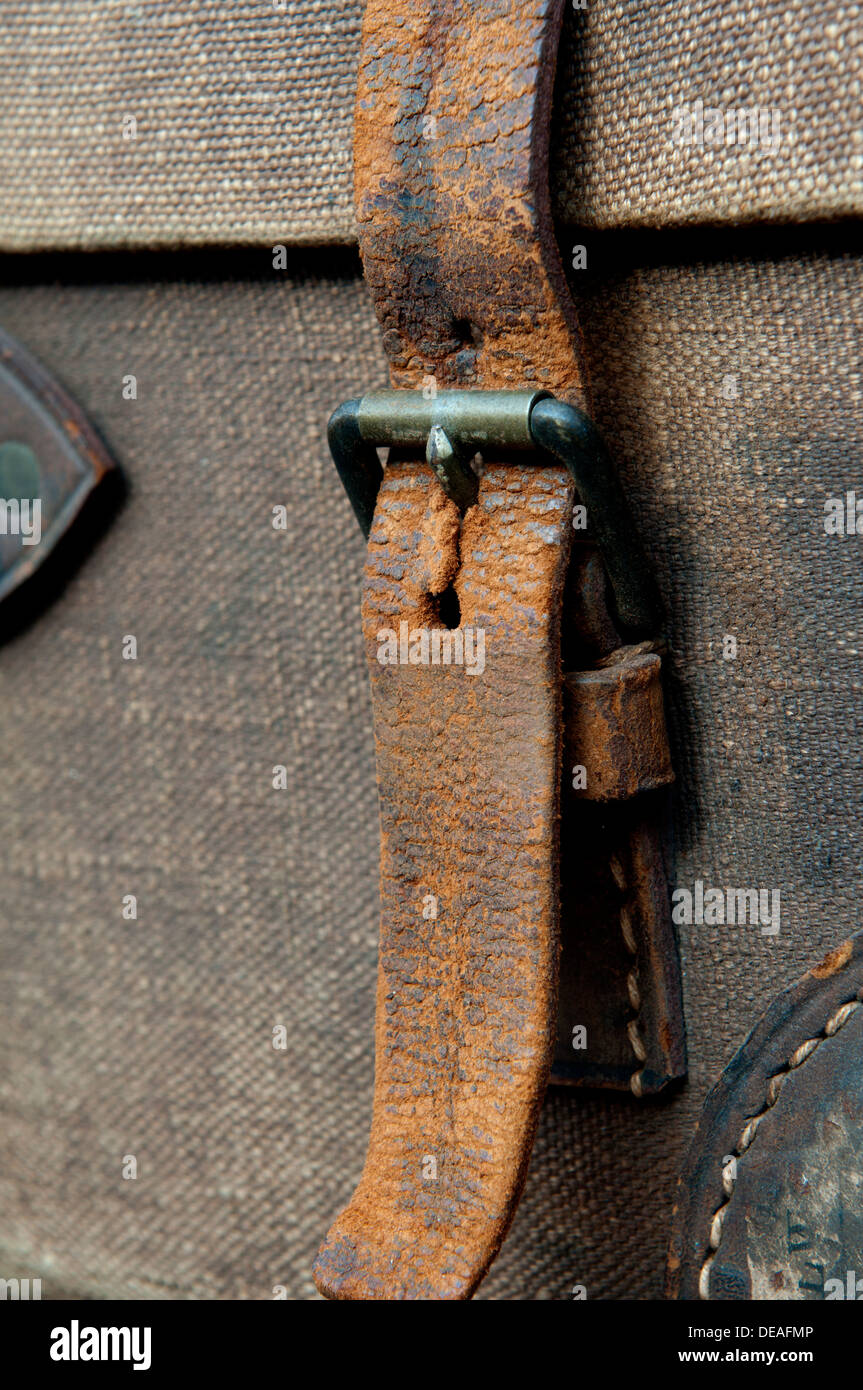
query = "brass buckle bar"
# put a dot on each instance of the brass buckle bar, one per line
(452, 426)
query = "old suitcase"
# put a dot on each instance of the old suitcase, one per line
(670, 792)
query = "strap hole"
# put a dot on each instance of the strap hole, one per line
(467, 333)
(448, 607)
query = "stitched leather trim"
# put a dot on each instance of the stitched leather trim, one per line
(790, 1033)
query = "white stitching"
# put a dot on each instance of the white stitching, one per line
(750, 1129)
(636, 1041)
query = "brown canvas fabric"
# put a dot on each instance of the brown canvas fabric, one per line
(244, 116)
(625, 69)
(727, 382)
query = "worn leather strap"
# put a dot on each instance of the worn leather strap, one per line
(451, 189)
(451, 141)
(452, 124)
(468, 776)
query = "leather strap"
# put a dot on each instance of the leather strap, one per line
(451, 188)
(451, 143)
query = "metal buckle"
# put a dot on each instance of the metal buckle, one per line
(453, 426)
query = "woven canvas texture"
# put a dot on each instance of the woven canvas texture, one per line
(243, 118)
(257, 907)
(630, 74)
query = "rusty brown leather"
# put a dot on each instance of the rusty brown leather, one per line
(468, 779)
(451, 194)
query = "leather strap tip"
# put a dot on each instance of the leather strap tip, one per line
(351, 1269)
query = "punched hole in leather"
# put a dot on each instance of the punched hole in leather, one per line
(463, 596)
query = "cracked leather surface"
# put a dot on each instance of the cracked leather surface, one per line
(452, 204)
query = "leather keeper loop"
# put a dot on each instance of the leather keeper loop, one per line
(615, 739)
